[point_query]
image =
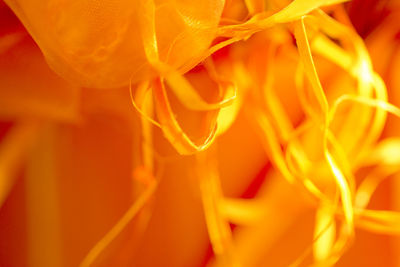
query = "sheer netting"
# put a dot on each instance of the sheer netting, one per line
(97, 43)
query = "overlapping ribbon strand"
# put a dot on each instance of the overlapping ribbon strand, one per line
(356, 63)
(179, 86)
(361, 70)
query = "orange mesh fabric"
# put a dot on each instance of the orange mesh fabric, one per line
(97, 43)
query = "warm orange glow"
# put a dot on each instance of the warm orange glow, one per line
(219, 133)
